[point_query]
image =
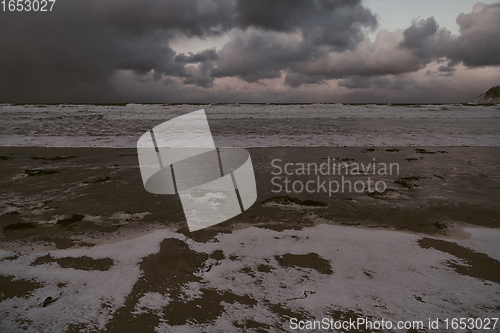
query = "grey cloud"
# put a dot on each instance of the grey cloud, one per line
(477, 45)
(479, 41)
(198, 77)
(282, 34)
(336, 23)
(191, 17)
(190, 58)
(419, 35)
(363, 82)
(359, 82)
(55, 57)
(295, 80)
(279, 15)
(448, 68)
(76, 52)
(255, 55)
(369, 59)
(72, 53)
(151, 53)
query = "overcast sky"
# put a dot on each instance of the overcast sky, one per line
(201, 51)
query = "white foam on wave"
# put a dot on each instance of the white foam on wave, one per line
(256, 125)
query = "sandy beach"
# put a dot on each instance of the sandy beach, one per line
(249, 166)
(85, 247)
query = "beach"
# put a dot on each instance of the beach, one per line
(85, 247)
(328, 166)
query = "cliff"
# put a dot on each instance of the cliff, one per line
(491, 96)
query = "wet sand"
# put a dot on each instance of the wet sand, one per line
(72, 210)
(57, 195)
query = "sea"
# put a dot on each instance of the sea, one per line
(256, 125)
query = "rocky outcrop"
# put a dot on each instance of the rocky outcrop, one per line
(489, 97)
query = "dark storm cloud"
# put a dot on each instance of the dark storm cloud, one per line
(256, 55)
(200, 75)
(479, 41)
(146, 54)
(284, 33)
(477, 45)
(336, 23)
(77, 52)
(192, 17)
(418, 37)
(56, 55)
(72, 53)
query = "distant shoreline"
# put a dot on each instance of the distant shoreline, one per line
(250, 103)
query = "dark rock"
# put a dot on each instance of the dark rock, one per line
(492, 96)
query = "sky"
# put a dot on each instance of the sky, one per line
(250, 51)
